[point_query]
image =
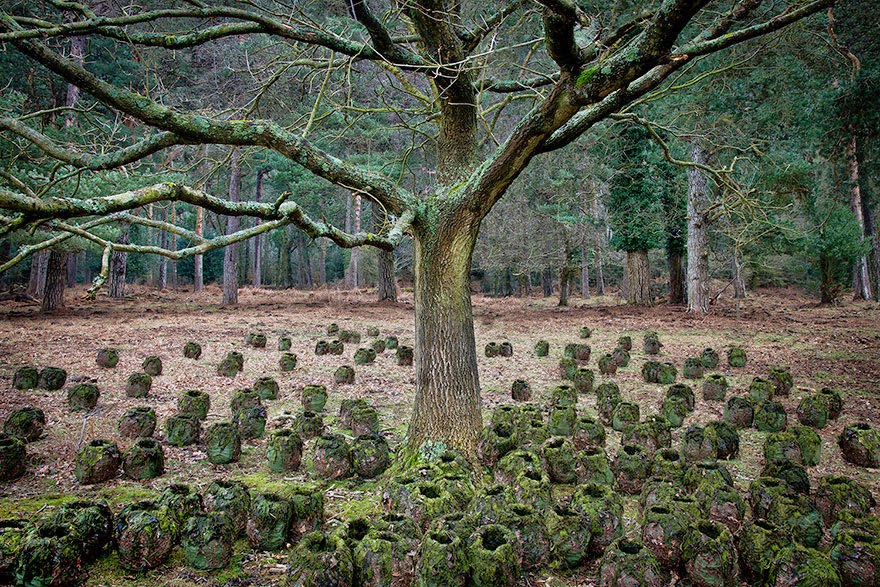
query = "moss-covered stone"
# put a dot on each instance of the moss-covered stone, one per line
(652, 434)
(145, 534)
(607, 364)
(194, 403)
(230, 499)
(322, 347)
(587, 433)
(796, 514)
(715, 387)
(628, 563)
(813, 411)
(561, 420)
(656, 372)
(594, 466)
(152, 366)
(90, 524)
(284, 343)
(709, 555)
(208, 541)
(13, 457)
(493, 557)
(651, 343)
(770, 416)
(607, 398)
(251, 422)
(364, 421)
(52, 378)
(50, 556)
(350, 336)
(26, 423)
(344, 375)
(404, 356)
(332, 328)
(621, 357)
(314, 397)
(736, 357)
(804, 567)
(693, 368)
(444, 560)
(370, 456)
(83, 397)
(192, 350)
(266, 388)
(833, 402)
(725, 437)
(567, 368)
(761, 390)
(231, 365)
(309, 425)
(138, 385)
(182, 503)
(137, 422)
(625, 342)
(107, 358)
(835, 493)
(760, 542)
(332, 459)
(739, 412)
(781, 447)
(560, 460)
(674, 410)
(563, 396)
(632, 466)
(667, 465)
(601, 512)
(520, 390)
(223, 443)
(663, 530)
(625, 414)
(284, 451)
(580, 352)
(506, 349)
(709, 358)
(25, 378)
(144, 459)
(569, 537)
(256, 340)
(542, 348)
(860, 444)
(364, 356)
(583, 379)
(269, 522)
(697, 446)
(97, 462)
(182, 429)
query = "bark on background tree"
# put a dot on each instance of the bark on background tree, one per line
(638, 292)
(739, 274)
(861, 277)
(56, 278)
(352, 272)
(230, 253)
(697, 235)
(37, 280)
(386, 282)
(258, 257)
(118, 262)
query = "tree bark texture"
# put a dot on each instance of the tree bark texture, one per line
(230, 253)
(118, 262)
(322, 270)
(447, 401)
(871, 233)
(547, 282)
(305, 264)
(677, 286)
(861, 278)
(258, 241)
(739, 274)
(71, 268)
(162, 279)
(37, 280)
(283, 271)
(386, 283)
(638, 278)
(353, 268)
(585, 273)
(697, 235)
(56, 278)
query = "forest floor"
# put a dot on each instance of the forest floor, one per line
(837, 346)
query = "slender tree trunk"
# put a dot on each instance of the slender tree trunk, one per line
(353, 269)
(861, 278)
(305, 265)
(56, 277)
(284, 258)
(871, 233)
(447, 402)
(349, 222)
(697, 236)
(677, 287)
(739, 275)
(600, 272)
(547, 282)
(37, 280)
(118, 262)
(71, 268)
(585, 273)
(172, 244)
(638, 278)
(322, 270)
(162, 281)
(386, 283)
(198, 260)
(230, 254)
(258, 241)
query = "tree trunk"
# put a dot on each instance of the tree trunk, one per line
(697, 236)
(739, 277)
(638, 291)
(162, 281)
(198, 260)
(861, 278)
(600, 274)
(386, 284)
(283, 279)
(56, 277)
(71, 269)
(676, 278)
(258, 241)
(585, 273)
(353, 269)
(305, 265)
(547, 282)
(322, 270)
(118, 262)
(37, 280)
(871, 233)
(173, 246)
(230, 254)
(447, 401)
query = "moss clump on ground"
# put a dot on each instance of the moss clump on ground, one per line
(542, 348)
(145, 534)
(52, 378)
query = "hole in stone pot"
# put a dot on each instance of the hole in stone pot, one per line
(556, 443)
(522, 511)
(765, 525)
(533, 475)
(358, 528)
(441, 537)
(709, 530)
(659, 510)
(430, 491)
(628, 547)
(493, 538)
(670, 455)
(631, 449)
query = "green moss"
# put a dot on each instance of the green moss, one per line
(693, 368)
(195, 403)
(542, 348)
(709, 554)
(223, 443)
(266, 388)
(152, 366)
(287, 362)
(625, 414)
(269, 523)
(25, 423)
(25, 378)
(736, 357)
(806, 567)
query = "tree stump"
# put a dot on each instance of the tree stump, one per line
(736, 357)
(404, 356)
(520, 390)
(309, 425)
(693, 368)
(208, 541)
(709, 358)
(230, 499)
(287, 362)
(770, 417)
(625, 414)
(91, 525)
(709, 555)
(715, 387)
(739, 412)
(284, 343)
(364, 356)
(542, 348)
(50, 555)
(761, 390)
(314, 398)
(860, 445)
(391, 343)
(251, 422)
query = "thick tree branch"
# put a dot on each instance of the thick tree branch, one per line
(382, 41)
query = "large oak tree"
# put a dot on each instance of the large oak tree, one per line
(444, 70)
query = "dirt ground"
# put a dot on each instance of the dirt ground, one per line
(823, 346)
